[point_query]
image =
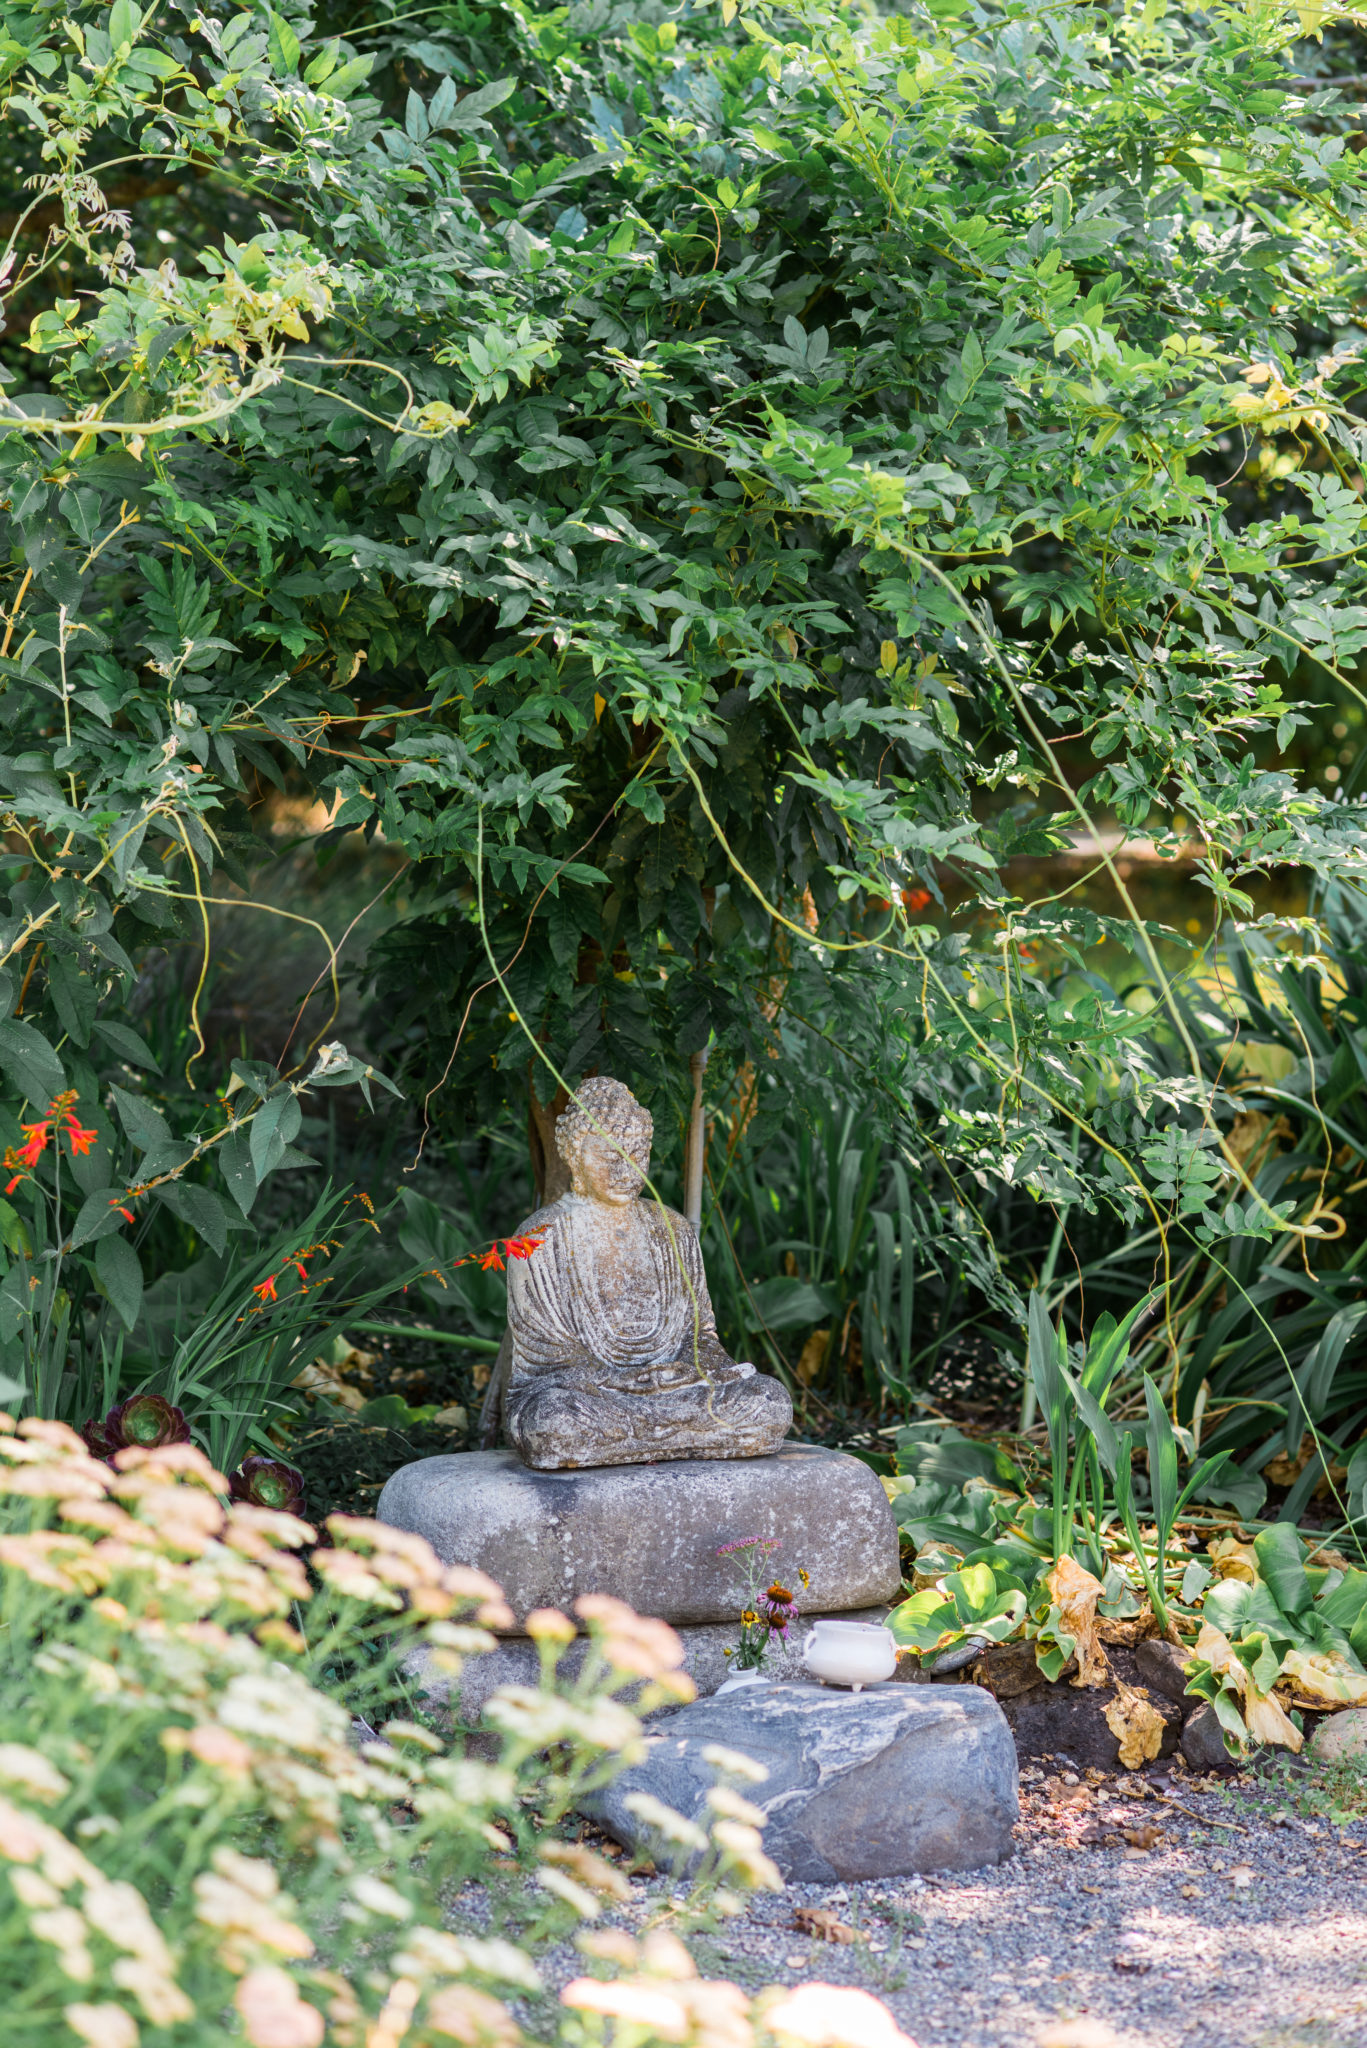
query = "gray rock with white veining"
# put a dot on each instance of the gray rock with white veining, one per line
(650, 1533)
(882, 1783)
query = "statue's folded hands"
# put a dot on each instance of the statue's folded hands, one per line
(654, 1379)
(615, 1353)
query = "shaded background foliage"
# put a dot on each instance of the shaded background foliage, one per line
(716, 528)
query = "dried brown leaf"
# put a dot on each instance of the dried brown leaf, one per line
(823, 1925)
(1136, 1724)
(1075, 1593)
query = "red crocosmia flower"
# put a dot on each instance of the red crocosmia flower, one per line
(915, 899)
(34, 1145)
(124, 1211)
(266, 1291)
(81, 1139)
(492, 1260)
(521, 1247)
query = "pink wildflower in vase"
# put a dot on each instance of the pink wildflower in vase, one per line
(781, 1608)
(763, 1615)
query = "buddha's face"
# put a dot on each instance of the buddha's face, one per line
(600, 1170)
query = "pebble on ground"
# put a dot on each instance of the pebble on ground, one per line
(1122, 1920)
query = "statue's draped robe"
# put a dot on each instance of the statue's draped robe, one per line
(615, 1354)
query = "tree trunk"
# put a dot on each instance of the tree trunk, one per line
(695, 1145)
(549, 1170)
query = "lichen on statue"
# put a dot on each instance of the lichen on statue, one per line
(615, 1358)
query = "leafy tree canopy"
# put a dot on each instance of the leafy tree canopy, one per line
(713, 486)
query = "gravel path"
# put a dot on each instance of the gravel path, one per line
(1245, 1936)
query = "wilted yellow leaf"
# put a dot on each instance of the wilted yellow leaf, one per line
(1075, 1593)
(1264, 1717)
(1325, 1676)
(813, 1358)
(1136, 1724)
(1233, 1560)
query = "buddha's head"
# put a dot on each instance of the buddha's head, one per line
(604, 1139)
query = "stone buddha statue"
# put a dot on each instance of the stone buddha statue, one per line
(614, 1355)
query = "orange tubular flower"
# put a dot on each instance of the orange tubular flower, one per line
(35, 1143)
(521, 1247)
(81, 1139)
(492, 1260)
(266, 1291)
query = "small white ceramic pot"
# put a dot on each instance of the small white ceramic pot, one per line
(853, 1653)
(740, 1678)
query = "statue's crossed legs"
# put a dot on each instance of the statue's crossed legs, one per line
(601, 1416)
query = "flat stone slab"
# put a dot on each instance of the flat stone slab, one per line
(887, 1782)
(515, 1661)
(649, 1534)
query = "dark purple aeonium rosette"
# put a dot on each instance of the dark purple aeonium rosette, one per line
(268, 1483)
(146, 1421)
